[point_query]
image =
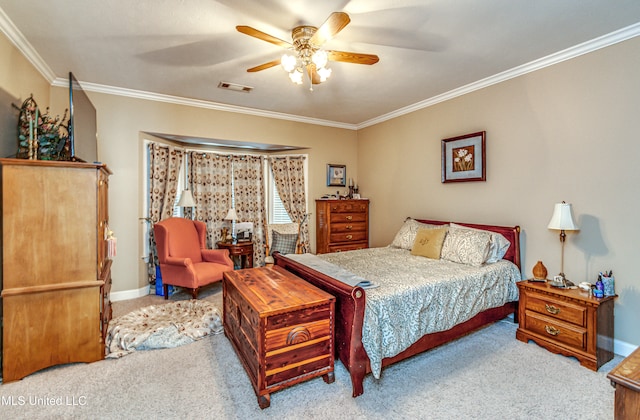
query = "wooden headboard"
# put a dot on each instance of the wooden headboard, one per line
(511, 233)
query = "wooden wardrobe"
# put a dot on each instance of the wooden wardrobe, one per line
(55, 275)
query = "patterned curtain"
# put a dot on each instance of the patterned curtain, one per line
(288, 174)
(164, 169)
(250, 204)
(210, 180)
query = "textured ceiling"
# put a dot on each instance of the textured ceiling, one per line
(184, 48)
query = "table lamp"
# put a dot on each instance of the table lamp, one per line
(562, 220)
(186, 200)
(232, 216)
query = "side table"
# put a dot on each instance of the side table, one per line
(567, 321)
(243, 250)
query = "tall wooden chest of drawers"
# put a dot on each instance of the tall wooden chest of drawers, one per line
(567, 321)
(280, 326)
(341, 225)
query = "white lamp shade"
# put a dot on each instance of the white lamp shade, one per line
(186, 199)
(562, 218)
(231, 215)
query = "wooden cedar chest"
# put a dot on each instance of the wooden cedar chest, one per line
(280, 326)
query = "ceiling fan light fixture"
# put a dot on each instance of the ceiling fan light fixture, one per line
(308, 56)
(288, 62)
(324, 73)
(296, 76)
(320, 58)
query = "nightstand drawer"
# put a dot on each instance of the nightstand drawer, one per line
(557, 309)
(560, 332)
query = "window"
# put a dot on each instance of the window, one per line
(278, 212)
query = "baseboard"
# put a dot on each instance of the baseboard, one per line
(623, 348)
(129, 294)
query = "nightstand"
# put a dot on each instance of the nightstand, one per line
(243, 250)
(567, 321)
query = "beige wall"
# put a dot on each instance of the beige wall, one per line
(567, 132)
(121, 126)
(18, 80)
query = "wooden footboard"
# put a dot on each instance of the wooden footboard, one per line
(349, 318)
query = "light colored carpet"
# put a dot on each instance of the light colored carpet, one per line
(486, 375)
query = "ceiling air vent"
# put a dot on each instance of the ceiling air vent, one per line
(235, 87)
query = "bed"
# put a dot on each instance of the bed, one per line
(351, 302)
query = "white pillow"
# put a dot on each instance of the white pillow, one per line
(406, 236)
(498, 247)
(466, 246)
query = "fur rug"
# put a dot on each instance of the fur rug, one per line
(168, 325)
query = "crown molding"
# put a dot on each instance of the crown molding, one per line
(567, 54)
(177, 100)
(15, 36)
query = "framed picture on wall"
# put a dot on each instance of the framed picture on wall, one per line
(463, 158)
(336, 175)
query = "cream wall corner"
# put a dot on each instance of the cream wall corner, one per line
(567, 132)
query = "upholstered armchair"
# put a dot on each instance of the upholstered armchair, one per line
(283, 238)
(184, 260)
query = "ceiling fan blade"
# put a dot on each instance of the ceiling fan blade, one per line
(351, 57)
(248, 30)
(334, 24)
(264, 66)
(313, 74)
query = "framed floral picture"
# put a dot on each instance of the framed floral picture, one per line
(336, 175)
(463, 158)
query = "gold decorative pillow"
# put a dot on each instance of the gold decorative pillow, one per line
(428, 243)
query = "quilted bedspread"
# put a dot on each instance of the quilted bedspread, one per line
(418, 295)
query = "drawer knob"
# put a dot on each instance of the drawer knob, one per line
(349, 227)
(349, 217)
(349, 236)
(551, 330)
(552, 309)
(298, 335)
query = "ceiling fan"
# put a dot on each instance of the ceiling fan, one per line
(308, 56)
